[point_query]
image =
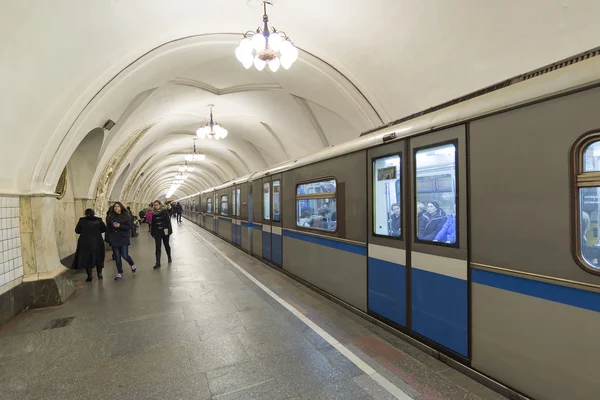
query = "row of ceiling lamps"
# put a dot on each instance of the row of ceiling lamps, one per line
(259, 48)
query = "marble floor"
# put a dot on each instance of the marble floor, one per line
(215, 324)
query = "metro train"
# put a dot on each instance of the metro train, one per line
(471, 228)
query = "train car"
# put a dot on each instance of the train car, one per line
(469, 229)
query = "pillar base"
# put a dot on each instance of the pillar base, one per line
(45, 289)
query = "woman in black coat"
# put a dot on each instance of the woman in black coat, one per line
(119, 228)
(90, 246)
(161, 230)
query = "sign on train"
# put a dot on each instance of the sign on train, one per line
(384, 174)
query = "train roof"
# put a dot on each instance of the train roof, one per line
(550, 81)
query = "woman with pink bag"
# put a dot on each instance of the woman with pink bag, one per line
(149, 218)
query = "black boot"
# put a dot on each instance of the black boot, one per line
(170, 260)
(100, 277)
(157, 265)
(89, 278)
(89, 274)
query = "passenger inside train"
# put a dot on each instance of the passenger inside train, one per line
(316, 203)
(436, 194)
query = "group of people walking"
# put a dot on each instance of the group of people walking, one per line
(119, 227)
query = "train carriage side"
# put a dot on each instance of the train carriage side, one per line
(324, 226)
(536, 312)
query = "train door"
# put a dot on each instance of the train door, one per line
(386, 266)
(236, 221)
(266, 227)
(439, 300)
(216, 207)
(276, 238)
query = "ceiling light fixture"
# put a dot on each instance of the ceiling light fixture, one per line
(263, 48)
(212, 130)
(194, 156)
(186, 167)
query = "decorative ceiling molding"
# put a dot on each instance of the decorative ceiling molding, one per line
(229, 90)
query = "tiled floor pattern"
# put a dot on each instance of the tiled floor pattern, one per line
(200, 329)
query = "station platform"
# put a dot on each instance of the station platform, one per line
(215, 324)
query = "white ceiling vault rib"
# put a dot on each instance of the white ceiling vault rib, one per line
(219, 92)
(236, 155)
(258, 153)
(157, 66)
(313, 120)
(277, 139)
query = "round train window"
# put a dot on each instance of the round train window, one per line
(586, 160)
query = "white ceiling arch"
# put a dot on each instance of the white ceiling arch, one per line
(71, 65)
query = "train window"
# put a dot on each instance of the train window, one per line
(224, 205)
(587, 186)
(267, 201)
(387, 220)
(276, 199)
(316, 205)
(591, 157)
(209, 205)
(237, 201)
(436, 194)
(233, 205)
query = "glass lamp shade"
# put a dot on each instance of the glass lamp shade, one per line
(181, 169)
(275, 41)
(259, 64)
(240, 53)
(258, 42)
(274, 64)
(286, 62)
(247, 61)
(190, 169)
(288, 50)
(189, 157)
(246, 45)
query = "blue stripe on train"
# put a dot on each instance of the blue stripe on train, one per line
(560, 294)
(387, 290)
(440, 309)
(351, 248)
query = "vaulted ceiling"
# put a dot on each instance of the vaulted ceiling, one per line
(153, 66)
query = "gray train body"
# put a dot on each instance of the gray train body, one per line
(506, 296)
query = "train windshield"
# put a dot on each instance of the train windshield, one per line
(436, 194)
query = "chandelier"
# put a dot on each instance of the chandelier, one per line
(263, 47)
(212, 130)
(186, 167)
(194, 157)
(180, 178)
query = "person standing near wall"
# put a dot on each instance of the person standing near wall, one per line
(90, 246)
(119, 229)
(161, 230)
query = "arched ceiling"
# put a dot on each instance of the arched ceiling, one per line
(153, 67)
